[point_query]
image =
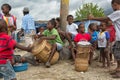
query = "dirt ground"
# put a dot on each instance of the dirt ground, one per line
(64, 70)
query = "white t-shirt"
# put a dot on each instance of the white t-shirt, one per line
(72, 28)
(115, 17)
(102, 39)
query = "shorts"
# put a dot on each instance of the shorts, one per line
(73, 36)
(116, 50)
(59, 46)
(7, 71)
(102, 49)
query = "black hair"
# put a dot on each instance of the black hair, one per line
(52, 21)
(7, 5)
(26, 13)
(69, 16)
(80, 25)
(115, 1)
(58, 19)
(91, 26)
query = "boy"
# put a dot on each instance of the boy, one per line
(71, 29)
(52, 35)
(103, 43)
(7, 45)
(115, 18)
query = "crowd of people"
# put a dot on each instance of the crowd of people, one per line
(104, 37)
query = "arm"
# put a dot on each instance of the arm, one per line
(50, 38)
(22, 47)
(91, 17)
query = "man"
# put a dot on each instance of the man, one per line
(29, 26)
(29, 30)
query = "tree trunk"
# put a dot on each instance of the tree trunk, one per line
(63, 14)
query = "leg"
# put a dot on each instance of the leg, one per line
(73, 53)
(107, 55)
(69, 38)
(90, 57)
(8, 71)
(51, 55)
(103, 56)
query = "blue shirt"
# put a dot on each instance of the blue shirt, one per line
(28, 23)
(94, 36)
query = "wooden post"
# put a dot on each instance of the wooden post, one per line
(63, 13)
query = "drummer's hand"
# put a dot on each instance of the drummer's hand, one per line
(90, 16)
(30, 48)
(36, 36)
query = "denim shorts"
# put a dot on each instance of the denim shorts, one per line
(59, 46)
(73, 36)
(7, 71)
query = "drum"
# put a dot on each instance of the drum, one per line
(83, 50)
(81, 65)
(82, 56)
(42, 50)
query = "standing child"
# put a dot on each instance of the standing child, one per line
(103, 43)
(111, 31)
(92, 31)
(10, 19)
(115, 18)
(7, 46)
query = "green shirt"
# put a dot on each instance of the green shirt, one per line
(51, 33)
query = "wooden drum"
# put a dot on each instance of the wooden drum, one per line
(82, 56)
(41, 50)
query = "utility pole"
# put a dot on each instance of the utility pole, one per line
(63, 13)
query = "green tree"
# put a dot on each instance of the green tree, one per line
(87, 9)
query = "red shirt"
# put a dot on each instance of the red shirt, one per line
(111, 31)
(82, 37)
(7, 45)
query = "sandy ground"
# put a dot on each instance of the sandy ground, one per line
(63, 70)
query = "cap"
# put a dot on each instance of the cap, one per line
(26, 9)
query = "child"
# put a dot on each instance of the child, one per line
(103, 43)
(41, 29)
(81, 36)
(93, 41)
(115, 18)
(62, 33)
(111, 31)
(71, 28)
(7, 45)
(52, 35)
(10, 19)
